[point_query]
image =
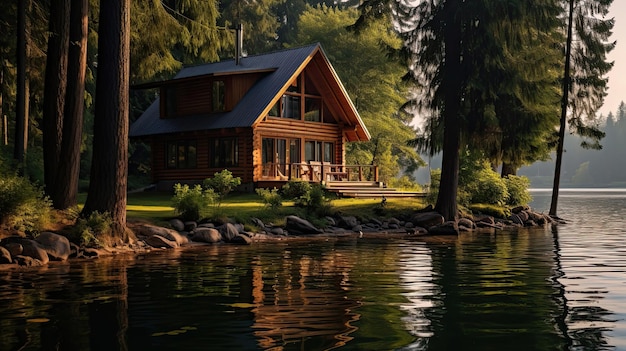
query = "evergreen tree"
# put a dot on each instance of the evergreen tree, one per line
(584, 84)
(107, 187)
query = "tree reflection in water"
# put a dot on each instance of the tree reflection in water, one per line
(476, 292)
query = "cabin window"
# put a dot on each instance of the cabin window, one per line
(319, 151)
(224, 152)
(312, 109)
(181, 154)
(291, 107)
(218, 94)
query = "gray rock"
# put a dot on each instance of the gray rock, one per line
(57, 246)
(241, 240)
(467, 224)
(27, 261)
(158, 241)
(5, 256)
(446, 228)
(149, 230)
(297, 225)
(177, 224)
(330, 220)
(348, 222)
(427, 219)
(277, 231)
(357, 228)
(14, 248)
(34, 250)
(206, 235)
(228, 231)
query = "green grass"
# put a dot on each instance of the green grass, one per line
(157, 207)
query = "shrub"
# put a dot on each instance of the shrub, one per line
(23, 206)
(192, 203)
(271, 198)
(87, 231)
(518, 190)
(222, 183)
(488, 188)
(295, 189)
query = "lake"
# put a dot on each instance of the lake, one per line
(560, 288)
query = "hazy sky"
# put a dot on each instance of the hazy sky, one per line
(617, 76)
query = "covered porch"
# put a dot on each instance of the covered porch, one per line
(319, 172)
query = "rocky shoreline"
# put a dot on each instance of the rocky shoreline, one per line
(18, 251)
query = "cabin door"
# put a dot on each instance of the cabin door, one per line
(278, 155)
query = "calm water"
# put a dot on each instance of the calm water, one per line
(552, 289)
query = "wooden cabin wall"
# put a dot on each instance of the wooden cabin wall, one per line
(161, 173)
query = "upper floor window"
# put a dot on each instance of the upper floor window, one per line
(218, 96)
(181, 154)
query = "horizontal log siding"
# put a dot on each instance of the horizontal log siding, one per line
(161, 173)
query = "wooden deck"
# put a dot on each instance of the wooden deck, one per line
(368, 190)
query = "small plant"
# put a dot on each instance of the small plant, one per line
(518, 190)
(295, 189)
(23, 206)
(87, 231)
(222, 183)
(192, 203)
(271, 198)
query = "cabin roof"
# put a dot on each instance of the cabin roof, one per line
(279, 68)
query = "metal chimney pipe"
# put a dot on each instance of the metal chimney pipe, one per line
(238, 43)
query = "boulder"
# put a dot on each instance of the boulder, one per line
(149, 230)
(228, 231)
(57, 246)
(206, 235)
(241, 240)
(177, 224)
(467, 224)
(446, 228)
(34, 250)
(297, 225)
(158, 241)
(14, 248)
(277, 231)
(5, 256)
(427, 219)
(348, 222)
(27, 261)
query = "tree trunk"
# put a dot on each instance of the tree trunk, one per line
(55, 92)
(20, 108)
(564, 103)
(66, 189)
(107, 188)
(508, 169)
(446, 199)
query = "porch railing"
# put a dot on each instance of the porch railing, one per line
(320, 172)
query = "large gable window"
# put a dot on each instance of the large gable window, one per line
(181, 154)
(224, 152)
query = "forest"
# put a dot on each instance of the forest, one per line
(497, 83)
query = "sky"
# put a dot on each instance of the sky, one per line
(617, 76)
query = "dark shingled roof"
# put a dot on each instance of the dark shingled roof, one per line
(281, 66)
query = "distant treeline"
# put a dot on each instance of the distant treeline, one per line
(588, 168)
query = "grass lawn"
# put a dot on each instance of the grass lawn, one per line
(156, 207)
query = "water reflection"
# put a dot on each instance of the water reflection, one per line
(523, 290)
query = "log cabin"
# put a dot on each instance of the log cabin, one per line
(267, 118)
